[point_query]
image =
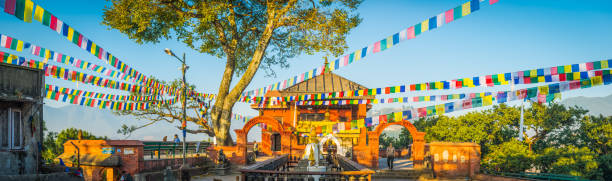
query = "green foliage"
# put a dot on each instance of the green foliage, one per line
(403, 141)
(511, 156)
(236, 28)
(487, 128)
(560, 139)
(568, 160)
(53, 144)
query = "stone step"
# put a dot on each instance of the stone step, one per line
(402, 174)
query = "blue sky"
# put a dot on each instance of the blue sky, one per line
(508, 36)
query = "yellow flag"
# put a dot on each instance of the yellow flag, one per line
(541, 79)
(465, 8)
(357, 55)
(425, 25)
(360, 123)
(604, 64)
(543, 90)
(38, 13)
(93, 48)
(469, 82)
(70, 33)
(597, 80)
(19, 45)
(567, 68)
(440, 109)
(576, 75)
(29, 6)
(533, 73)
(487, 100)
(397, 116)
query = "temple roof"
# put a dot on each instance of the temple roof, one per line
(327, 82)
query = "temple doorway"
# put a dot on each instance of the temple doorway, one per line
(330, 140)
(275, 139)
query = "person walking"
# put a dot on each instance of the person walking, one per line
(390, 156)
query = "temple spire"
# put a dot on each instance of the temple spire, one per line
(326, 68)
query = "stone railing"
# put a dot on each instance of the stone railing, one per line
(270, 164)
(278, 169)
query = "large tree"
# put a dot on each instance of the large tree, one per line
(249, 34)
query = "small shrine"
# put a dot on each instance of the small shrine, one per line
(300, 130)
(306, 118)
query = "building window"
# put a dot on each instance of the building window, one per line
(312, 117)
(11, 129)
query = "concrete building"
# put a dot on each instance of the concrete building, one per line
(21, 113)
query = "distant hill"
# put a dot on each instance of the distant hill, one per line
(595, 105)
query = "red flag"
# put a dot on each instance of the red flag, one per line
(9, 6)
(382, 119)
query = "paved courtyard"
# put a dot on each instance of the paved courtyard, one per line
(398, 164)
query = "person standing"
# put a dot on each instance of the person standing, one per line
(256, 149)
(177, 140)
(390, 156)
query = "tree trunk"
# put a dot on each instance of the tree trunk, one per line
(222, 131)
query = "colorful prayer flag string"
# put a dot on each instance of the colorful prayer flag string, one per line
(381, 45)
(541, 75)
(540, 94)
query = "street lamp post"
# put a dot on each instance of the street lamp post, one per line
(184, 106)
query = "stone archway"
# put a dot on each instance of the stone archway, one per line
(418, 143)
(272, 124)
(340, 149)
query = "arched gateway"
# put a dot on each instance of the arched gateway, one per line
(372, 151)
(418, 140)
(272, 125)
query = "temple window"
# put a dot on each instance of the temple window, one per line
(311, 117)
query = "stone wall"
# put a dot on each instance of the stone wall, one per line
(451, 160)
(52, 176)
(21, 88)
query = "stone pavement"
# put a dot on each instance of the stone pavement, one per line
(398, 164)
(212, 177)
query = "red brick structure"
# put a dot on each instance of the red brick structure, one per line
(104, 158)
(368, 154)
(286, 122)
(108, 158)
(455, 159)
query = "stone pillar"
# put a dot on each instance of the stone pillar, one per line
(373, 145)
(285, 141)
(418, 149)
(241, 147)
(110, 174)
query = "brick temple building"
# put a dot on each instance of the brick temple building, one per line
(303, 119)
(287, 123)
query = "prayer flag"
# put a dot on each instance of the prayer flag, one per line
(448, 15)
(9, 6)
(465, 8)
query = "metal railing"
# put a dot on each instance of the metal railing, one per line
(165, 150)
(277, 169)
(535, 176)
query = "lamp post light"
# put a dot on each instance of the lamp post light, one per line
(184, 68)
